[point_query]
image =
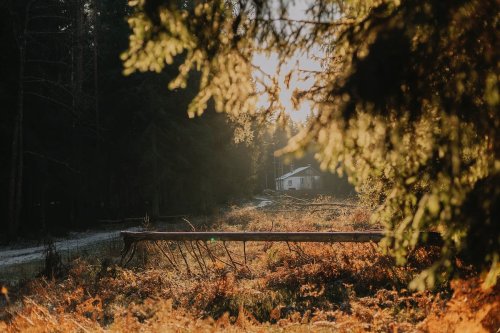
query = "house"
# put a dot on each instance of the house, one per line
(303, 178)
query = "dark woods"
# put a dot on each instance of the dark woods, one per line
(81, 142)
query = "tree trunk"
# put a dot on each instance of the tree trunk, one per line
(98, 153)
(96, 64)
(15, 175)
(156, 187)
(16, 171)
(77, 85)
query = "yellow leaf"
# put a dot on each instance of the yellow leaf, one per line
(433, 205)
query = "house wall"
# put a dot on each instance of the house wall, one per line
(308, 179)
(301, 183)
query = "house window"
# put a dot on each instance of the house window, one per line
(302, 181)
(289, 182)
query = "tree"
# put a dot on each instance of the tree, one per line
(17, 158)
(407, 101)
(83, 143)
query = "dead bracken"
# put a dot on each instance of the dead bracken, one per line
(345, 287)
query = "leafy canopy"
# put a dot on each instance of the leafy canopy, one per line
(406, 104)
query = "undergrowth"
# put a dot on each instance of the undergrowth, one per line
(343, 287)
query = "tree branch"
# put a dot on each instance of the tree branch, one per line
(69, 108)
(327, 23)
(53, 160)
(54, 62)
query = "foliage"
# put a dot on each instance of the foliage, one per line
(407, 103)
(421, 140)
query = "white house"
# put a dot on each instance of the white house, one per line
(303, 178)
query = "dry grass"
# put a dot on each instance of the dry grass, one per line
(308, 287)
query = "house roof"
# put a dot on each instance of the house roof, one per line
(291, 173)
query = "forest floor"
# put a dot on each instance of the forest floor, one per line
(343, 287)
(79, 240)
(21, 261)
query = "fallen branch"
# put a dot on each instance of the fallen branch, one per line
(326, 237)
(131, 238)
(53, 160)
(338, 204)
(294, 198)
(140, 219)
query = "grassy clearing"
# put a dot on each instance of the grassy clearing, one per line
(343, 287)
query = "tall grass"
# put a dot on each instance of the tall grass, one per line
(343, 287)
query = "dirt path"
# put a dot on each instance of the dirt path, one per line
(79, 241)
(28, 259)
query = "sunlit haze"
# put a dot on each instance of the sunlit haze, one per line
(298, 66)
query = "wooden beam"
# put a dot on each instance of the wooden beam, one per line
(130, 238)
(327, 237)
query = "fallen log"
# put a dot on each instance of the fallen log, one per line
(131, 238)
(294, 198)
(299, 210)
(123, 220)
(140, 219)
(277, 236)
(338, 204)
(285, 210)
(167, 217)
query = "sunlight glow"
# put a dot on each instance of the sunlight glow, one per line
(293, 75)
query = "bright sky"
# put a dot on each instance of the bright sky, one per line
(305, 62)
